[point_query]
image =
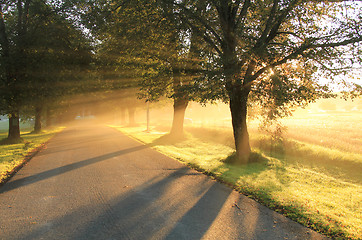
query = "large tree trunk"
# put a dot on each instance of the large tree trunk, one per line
(238, 87)
(238, 108)
(14, 127)
(238, 92)
(38, 115)
(179, 109)
(180, 102)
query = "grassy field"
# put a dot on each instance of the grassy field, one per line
(13, 155)
(313, 176)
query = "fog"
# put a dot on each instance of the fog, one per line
(123, 107)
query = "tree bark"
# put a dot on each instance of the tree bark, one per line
(180, 102)
(179, 109)
(38, 116)
(238, 108)
(14, 127)
(238, 92)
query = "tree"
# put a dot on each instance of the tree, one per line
(14, 18)
(252, 40)
(60, 53)
(140, 39)
(41, 50)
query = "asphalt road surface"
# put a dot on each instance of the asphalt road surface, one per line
(93, 182)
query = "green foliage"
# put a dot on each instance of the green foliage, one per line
(294, 39)
(281, 95)
(139, 41)
(45, 56)
(272, 52)
(59, 56)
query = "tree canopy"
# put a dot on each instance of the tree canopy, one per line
(270, 53)
(42, 53)
(273, 51)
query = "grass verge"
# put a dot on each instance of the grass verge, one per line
(308, 194)
(14, 155)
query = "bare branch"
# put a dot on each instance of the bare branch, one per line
(337, 44)
(199, 19)
(235, 8)
(270, 21)
(304, 47)
(280, 19)
(205, 36)
(243, 12)
(26, 11)
(289, 33)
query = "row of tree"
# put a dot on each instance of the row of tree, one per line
(268, 53)
(265, 52)
(44, 56)
(48, 61)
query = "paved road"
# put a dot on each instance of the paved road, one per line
(96, 183)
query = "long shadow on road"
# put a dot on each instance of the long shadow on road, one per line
(161, 209)
(152, 211)
(165, 207)
(63, 169)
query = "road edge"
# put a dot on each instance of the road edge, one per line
(29, 155)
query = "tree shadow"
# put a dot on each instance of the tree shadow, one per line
(10, 141)
(7, 141)
(201, 215)
(159, 209)
(66, 147)
(63, 169)
(230, 174)
(253, 158)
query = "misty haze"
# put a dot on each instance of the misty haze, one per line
(180, 119)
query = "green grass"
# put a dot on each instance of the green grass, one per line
(13, 155)
(308, 183)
